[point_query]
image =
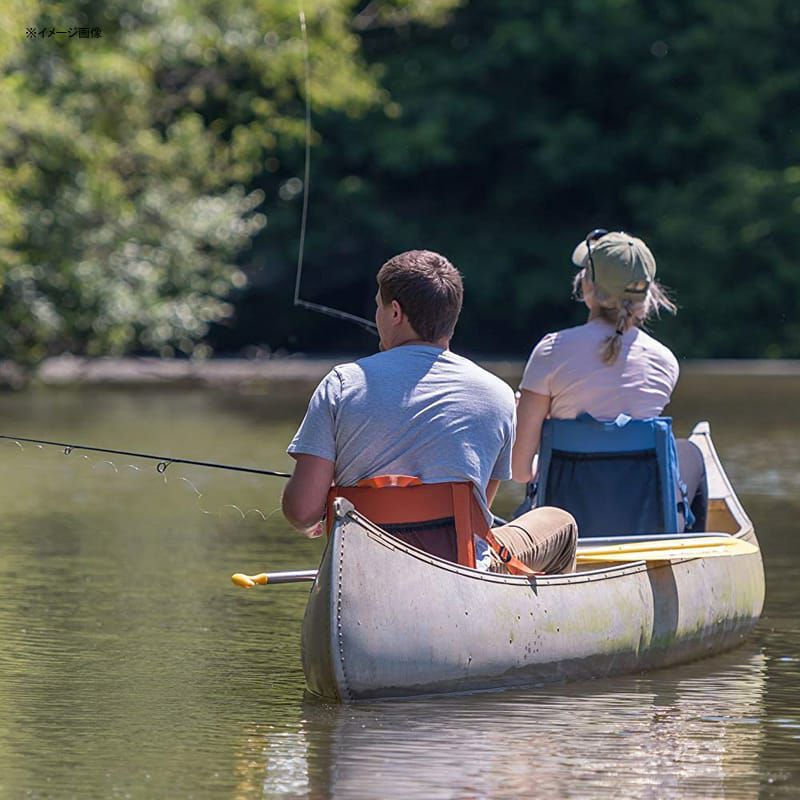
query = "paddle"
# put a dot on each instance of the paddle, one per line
(661, 552)
(657, 550)
(677, 544)
(298, 576)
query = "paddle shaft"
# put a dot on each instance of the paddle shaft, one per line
(297, 576)
(738, 548)
(665, 543)
(646, 538)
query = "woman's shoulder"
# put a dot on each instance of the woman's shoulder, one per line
(656, 348)
(557, 348)
(567, 337)
(545, 345)
(649, 342)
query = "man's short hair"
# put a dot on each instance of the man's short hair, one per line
(427, 287)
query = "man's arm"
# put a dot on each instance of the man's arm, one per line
(306, 493)
(532, 411)
(491, 491)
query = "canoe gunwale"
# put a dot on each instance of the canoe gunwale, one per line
(346, 512)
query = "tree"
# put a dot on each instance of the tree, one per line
(137, 169)
(135, 165)
(514, 129)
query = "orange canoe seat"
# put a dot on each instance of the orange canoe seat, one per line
(403, 500)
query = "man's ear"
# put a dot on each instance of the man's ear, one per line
(397, 312)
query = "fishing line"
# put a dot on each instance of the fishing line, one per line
(362, 322)
(199, 496)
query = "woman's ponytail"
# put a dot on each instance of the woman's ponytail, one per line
(626, 318)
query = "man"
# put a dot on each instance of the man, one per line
(416, 408)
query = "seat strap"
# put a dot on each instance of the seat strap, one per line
(513, 564)
(684, 505)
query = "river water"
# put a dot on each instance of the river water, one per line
(131, 667)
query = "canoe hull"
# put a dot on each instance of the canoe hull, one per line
(384, 623)
(385, 620)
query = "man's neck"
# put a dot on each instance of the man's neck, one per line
(415, 340)
(442, 344)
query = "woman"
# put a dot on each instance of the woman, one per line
(609, 365)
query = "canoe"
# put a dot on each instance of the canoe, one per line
(385, 620)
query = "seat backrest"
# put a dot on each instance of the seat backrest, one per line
(400, 502)
(615, 478)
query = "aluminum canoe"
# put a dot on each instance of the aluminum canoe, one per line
(385, 620)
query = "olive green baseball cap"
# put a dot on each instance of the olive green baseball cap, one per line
(618, 263)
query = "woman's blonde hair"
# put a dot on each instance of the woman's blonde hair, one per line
(622, 312)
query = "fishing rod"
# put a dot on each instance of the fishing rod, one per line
(362, 322)
(163, 461)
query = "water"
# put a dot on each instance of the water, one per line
(131, 667)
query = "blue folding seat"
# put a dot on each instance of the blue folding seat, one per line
(616, 478)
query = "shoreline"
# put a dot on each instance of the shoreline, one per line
(73, 371)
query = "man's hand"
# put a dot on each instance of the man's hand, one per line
(314, 532)
(306, 493)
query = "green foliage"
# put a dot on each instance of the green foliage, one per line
(517, 127)
(136, 170)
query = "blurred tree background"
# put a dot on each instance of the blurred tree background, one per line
(151, 179)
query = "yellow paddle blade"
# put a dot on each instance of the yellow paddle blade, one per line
(248, 581)
(733, 547)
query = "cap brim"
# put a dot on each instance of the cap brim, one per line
(580, 255)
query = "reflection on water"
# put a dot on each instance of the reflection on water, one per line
(130, 667)
(700, 733)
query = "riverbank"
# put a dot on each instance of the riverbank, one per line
(227, 373)
(236, 373)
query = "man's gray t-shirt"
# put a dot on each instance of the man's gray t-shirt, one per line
(412, 410)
